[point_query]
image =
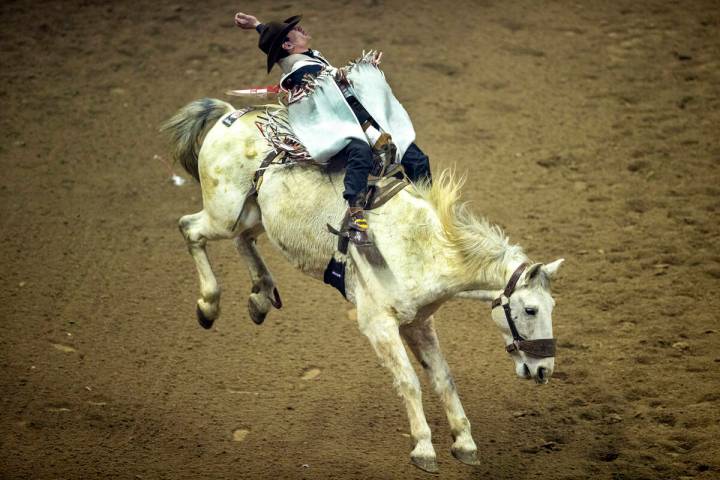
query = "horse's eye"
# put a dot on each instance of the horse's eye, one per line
(530, 310)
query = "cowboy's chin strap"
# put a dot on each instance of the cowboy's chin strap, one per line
(544, 347)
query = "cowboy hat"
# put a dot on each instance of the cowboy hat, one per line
(272, 37)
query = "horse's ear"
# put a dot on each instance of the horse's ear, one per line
(551, 268)
(532, 272)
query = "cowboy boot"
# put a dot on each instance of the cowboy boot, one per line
(358, 225)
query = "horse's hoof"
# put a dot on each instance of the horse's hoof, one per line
(204, 321)
(426, 464)
(466, 457)
(256, 314)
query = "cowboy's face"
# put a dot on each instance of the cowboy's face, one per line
(297, 39)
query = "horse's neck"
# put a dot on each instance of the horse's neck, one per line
(496, 275)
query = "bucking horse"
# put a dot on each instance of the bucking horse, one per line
(432, 246)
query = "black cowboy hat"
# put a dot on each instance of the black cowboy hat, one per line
(273, 36)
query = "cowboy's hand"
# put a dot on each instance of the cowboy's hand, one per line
(245, 21)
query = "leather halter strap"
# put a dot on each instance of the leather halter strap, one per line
(542, 348)
(510, 287)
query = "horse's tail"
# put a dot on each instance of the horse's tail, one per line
(188, 127)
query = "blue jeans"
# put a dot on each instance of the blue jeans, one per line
(359, 161)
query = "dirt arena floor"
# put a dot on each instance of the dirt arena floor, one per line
(588, 130)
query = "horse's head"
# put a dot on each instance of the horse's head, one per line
(523, 311)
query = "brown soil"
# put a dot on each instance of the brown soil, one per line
(589, 130)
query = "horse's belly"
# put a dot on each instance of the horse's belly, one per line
(297, 204)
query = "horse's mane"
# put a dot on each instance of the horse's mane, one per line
(480, 244)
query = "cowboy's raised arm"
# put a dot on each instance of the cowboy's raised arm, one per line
(245, 21)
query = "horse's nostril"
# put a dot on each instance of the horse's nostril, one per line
(541, 373)
(526, 370)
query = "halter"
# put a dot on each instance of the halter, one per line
(543, 347)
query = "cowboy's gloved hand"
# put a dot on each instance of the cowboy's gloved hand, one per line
(245, 21)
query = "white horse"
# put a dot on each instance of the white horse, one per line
(434, 249)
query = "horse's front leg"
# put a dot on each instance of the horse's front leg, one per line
(264, 292)
(423, 341)
(382, 331)
(197, 230)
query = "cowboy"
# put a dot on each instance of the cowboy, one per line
(288, 44)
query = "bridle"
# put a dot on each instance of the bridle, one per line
(542, 347)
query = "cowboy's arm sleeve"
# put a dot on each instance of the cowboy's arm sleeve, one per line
(296, 78)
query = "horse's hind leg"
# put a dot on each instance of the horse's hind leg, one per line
(264, 294)
(423, 341)
(197, 230)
